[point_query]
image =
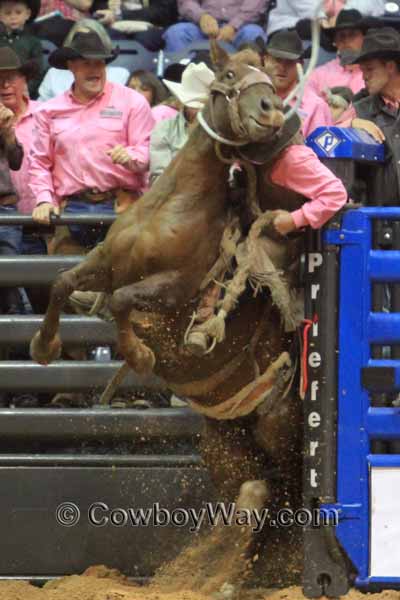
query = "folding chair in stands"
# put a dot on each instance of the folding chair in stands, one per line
(133, 56)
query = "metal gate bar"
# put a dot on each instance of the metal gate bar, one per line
(19, 329)
(73, 376)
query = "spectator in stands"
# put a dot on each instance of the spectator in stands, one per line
(58, 81)
(347, 35)
(11, 155)
(13, 95)
(170, 135)
(378, 113)
(15, 16)
(235, 21)
(155, 92)
(288, 13)
(147, 84)
(91, 144)
(283, 53)
(57, 17)
(142, 20)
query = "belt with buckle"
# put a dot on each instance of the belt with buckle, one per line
(92, 195)
(8, 200)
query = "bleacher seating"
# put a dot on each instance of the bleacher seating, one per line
(134, 56)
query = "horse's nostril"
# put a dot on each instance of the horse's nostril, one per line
(265, 104)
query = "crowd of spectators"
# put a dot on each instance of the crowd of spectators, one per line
(82, 134)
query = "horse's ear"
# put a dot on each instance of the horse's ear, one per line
(219, 56)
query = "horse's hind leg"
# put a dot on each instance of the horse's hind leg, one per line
(158, 290)
(91, 274)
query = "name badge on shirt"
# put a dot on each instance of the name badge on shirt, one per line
(111, 113)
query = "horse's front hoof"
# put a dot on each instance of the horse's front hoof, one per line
(43, 353)
(141, 360)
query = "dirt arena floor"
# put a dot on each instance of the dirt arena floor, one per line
(100, 583)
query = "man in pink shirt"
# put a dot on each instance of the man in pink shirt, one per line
(14, 96)
(91, 144)
(348, 34)
(283, 53)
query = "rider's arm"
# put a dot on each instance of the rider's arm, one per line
(300, 170)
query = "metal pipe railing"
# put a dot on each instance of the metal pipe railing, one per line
(56, 220)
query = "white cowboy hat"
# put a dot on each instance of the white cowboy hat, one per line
(195, 87)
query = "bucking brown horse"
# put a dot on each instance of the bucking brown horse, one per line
(153, 261)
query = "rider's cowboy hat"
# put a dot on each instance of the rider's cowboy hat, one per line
(83, 45)
(195, 87)
(10, 61)
(380, 43)
(286, 44)
(351, 19)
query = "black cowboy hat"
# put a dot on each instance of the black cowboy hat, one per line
(83, 45)
(351, 19)
(10, 61)
(380, 43)
(287, 44)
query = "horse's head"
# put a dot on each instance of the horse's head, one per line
(243, 106)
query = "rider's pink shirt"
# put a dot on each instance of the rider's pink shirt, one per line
(24, 133)
(332, 74)
(300, 170)
(71, 140)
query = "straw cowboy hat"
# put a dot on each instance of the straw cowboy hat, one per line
(10, 61)
(380, 43)
(83, 45)
(195, 87)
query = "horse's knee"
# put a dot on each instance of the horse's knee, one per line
(119, 303)
(63, 286)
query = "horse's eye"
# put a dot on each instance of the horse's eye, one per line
(230, 75)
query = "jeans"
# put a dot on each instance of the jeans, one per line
(179, 36)
(88, 235)
(10, 245)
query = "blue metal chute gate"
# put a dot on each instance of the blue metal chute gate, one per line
(352, 433)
